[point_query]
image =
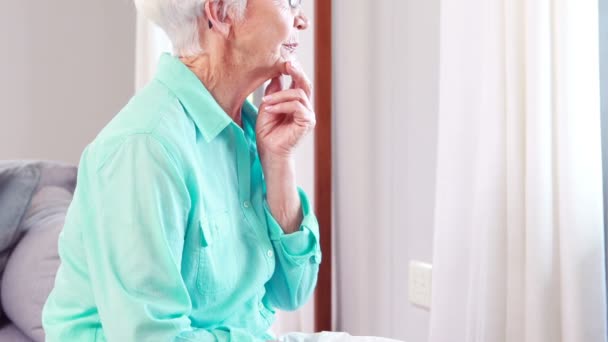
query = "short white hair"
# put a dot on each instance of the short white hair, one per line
(179, 20)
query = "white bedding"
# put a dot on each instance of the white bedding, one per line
(327, 336)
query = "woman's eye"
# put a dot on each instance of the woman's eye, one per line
(295, 3)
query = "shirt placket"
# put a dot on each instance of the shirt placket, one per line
(243, 161)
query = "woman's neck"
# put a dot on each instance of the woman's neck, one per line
(228, 83)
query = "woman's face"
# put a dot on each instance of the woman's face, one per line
(268, 34)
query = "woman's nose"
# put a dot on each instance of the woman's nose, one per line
(301, 22)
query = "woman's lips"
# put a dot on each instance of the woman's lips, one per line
(291, 47)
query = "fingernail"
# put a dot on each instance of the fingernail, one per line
(269, 108)
(266, 98)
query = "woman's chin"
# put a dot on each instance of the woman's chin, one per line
(279, 66)
(287, 56)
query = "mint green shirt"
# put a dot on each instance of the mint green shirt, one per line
(169, 236)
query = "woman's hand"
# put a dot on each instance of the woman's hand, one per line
(285, 116)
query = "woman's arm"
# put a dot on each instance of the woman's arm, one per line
(298, 256)
(134, 241)
(286, 116)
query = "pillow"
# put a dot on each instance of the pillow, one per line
(12, 334)
(57, 174)
(29, 275)
(19, 181)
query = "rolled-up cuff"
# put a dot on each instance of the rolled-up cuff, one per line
(302, 244)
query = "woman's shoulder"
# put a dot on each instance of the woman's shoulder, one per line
(137, 148)
(151, 117)
(153, 109)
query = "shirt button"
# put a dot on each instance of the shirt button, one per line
(246, 204)
(270, 253)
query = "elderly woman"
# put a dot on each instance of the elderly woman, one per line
(187, 224)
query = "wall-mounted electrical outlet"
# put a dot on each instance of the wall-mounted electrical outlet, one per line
(420, 281)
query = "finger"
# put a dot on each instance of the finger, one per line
(288, 95)
(274, 86)
(300, 80)
(296, 108)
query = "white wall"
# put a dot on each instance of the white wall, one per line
(603, 4)
(386, 71)
(67, 67)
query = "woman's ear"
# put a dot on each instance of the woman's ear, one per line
(214, 11)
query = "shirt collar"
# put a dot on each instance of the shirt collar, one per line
(206, 113)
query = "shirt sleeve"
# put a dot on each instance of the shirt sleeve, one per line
(134, 241)
(298, 258)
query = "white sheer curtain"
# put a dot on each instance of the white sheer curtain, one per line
(519, 244)
(385, 97)
(151, 42)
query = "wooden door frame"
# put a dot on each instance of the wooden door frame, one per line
(323, 159)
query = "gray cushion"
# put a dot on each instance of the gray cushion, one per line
(57, 174)
(19, 180)
(10, 333)
(30, 271)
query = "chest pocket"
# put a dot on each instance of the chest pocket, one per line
(216, 261)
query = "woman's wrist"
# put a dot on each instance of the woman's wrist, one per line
(278, 165)
(282, 192)
(276, 160)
